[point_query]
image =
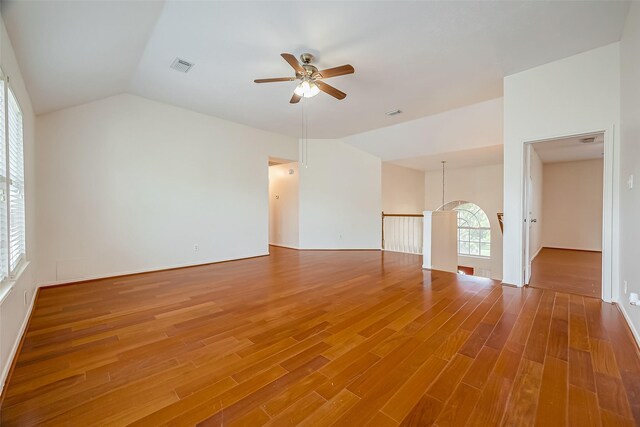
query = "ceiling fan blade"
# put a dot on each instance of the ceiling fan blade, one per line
(276, 79)
(295, 99)
(293, 62)
(336, 71)
(330, 90)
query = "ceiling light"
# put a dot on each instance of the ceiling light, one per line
(393, 113)
(307, 89)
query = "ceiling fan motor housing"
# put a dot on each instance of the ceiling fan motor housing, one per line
(306, 58)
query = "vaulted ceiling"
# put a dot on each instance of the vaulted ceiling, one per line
(420, 57)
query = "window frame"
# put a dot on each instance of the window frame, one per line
(469, 228)
(5, 274)
(11, 274)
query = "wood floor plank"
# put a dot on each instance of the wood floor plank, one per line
(459, 407)
(298, 411)
(612, 396)
(408, 395)
(552, 399)
(481, 368)
(583, 407)
(581, 370)
(424, 413)
(442, 388)
(523, 403)
(358, 338)
(331, 409)
(536, 347)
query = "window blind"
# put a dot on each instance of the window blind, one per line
(3, 186)
(16, 237)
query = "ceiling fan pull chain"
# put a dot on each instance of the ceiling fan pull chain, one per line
(302, 148)
(306, 139)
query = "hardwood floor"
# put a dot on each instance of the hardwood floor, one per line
(564, 270)
(320, 338)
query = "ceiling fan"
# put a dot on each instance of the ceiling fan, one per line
(310, 78)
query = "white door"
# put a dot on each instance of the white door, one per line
(528, 215)
(530, 221)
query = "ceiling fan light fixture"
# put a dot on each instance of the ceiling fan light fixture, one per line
(307, 89)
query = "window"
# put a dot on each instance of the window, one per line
(474, 231)
(4, 247)
(12, 209)
(16, 183)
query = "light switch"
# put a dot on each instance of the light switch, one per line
(630, 182)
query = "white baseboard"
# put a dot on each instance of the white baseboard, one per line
(629, 322)
(16, 344)
(141, 271)
(284, 246)
(537, 253)
(339, 249)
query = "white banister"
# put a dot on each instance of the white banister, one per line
(402, 233)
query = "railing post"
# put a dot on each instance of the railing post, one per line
(382, 247)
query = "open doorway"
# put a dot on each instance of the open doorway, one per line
(471, 184)
(564, 208)
(284, 191)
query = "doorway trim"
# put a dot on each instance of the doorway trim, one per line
(608, 200)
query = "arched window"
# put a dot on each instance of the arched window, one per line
(474, 230)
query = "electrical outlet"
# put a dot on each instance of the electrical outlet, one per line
(625, 287)
(25, 297)
(196, 248)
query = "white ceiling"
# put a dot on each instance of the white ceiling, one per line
(75, 52)
(474, 126)
(420, 57)
(491, 155)
(570, 149)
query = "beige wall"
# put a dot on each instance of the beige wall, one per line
(402, 189)
(630, 165)
(127, 184)
(340, 197)
(572, 205)
(284, 205)
(17, 296)
(571, 96)
(481, 185)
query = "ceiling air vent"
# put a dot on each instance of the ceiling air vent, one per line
(393, 113)
(181, 65)
(589, 140)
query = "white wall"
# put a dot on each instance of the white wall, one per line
(402, 189)
(630, 163)
(129, 184)
(340, 197)
(284, 204)
(573, 205)
(575, 95)
(481, 185)
(537, 212)
(474, 126)
(13, 309)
